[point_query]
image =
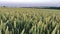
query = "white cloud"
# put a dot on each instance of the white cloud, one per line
(32, 1)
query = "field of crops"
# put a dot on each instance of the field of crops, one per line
(29, 21)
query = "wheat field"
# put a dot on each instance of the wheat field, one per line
(29, 21)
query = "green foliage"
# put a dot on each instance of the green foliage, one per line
(29, 21)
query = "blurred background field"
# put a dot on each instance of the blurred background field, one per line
(29, 21)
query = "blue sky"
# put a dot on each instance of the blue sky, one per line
(32, 2)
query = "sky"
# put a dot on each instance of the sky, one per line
(31, 2)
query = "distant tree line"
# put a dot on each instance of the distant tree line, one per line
(41, 7)
(44, 7)
(52, 7)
